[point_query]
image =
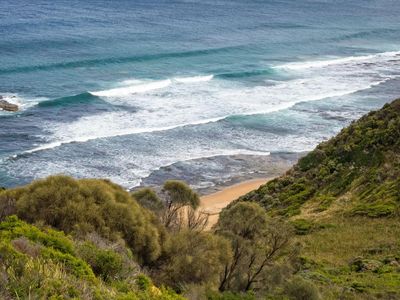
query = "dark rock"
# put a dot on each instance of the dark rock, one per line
(7, 106)
(363, 265)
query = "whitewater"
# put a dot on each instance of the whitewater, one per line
(121, 100)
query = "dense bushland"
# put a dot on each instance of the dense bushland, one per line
(112, 241)
(46, 264)
(85, 206)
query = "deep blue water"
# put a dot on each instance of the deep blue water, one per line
(117, 89)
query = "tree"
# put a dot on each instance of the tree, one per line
(257, 243)
(176, 207)
(7, 205)
(148, 198)
(193, 258)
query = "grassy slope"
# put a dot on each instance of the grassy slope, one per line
(343, 199)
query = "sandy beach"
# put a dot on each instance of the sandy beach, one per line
(215, 202)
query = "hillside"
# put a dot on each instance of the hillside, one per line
(360, 164)
(343, 199)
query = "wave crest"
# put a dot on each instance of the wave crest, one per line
(339, 61)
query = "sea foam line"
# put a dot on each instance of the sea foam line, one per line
(336, 61)
(194, 79)
(133, 89)
(136, 86)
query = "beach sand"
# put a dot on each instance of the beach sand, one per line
(215, 202)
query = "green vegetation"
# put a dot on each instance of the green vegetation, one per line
(343, 201)
(362, 163)
(89, 205)
(176, 206)
(46, 264)
(258, 242)
(328, 229)
(193, 258)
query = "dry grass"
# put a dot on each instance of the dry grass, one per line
(343, 239)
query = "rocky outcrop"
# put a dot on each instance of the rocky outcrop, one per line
(7, 106)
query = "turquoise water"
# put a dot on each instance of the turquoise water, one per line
(118, 89)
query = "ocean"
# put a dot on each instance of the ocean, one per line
(120, 89)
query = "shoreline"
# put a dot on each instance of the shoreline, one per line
(212, 174)
(213, 203)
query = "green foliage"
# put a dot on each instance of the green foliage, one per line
(148, 199)
(53, 245)
(363, 161)
(105, 263)
(176, 206)
(361, 265)
(300, 289)
(258, 242)
(193, 258)
(302, 226)
(46, 264)
(324, 202)
(375, 210)
(89, 205)
(230, 296)
(179, 192)
(143, 282)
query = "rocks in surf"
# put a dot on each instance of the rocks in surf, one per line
(7, 106)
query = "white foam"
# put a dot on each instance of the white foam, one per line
(338, 61)
(22, 102)
(213, 100)
(194, 79)
(128, 131)
(133, 89)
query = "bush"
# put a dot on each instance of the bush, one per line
(258, 242)
(193, 258)
(148, 199)
(21, 238)
(374, 210)
(230, 296)
(105, 263)
(42, 264)
(84, 206)
(302, 226)
(300, 289)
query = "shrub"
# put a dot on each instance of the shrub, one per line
(148, 199)
(374, 210)
(178, 208)
(300, 289)
(257, 241)
(7, 205)
(302, 226)
(230, 296)
(90, 205)
(105, 263)
(33, 266)
(193, 258)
